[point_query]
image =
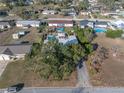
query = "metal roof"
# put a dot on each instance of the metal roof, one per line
(4, 23)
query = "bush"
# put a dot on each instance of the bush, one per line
(114, 34)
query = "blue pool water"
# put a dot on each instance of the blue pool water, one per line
(99, 30)
(51, 37)
(60, 29)
(72, 42)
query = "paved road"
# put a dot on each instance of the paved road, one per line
(72, 90)
(76, 19)
(83, 77)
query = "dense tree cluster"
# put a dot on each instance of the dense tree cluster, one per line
(58, 61)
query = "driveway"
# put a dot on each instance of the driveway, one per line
(83, 77)
(3, 65)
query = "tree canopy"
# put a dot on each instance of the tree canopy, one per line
(56, 61)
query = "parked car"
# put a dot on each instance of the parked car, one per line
(25, 42)
(11, 90)
(15, 88)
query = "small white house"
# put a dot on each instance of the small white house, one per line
(18, 34)
(85, 13)
(28, 23)
(11, 52)
(60, 23)
(15, 36)
(4, 25)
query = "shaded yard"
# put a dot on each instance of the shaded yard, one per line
(16, 72)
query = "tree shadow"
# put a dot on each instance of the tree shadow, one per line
(19, 86)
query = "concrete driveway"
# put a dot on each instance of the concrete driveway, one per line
(3, 65)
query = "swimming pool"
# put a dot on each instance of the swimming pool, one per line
(51, 37)
(100, 30)
(60, 29)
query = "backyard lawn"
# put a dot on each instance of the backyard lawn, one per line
(16, 72)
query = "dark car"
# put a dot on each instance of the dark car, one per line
(15, 88)
(11, 90)
(25, 42)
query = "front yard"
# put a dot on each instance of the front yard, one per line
(16, 72)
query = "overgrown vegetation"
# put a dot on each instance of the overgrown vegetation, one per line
(55, 61)
(83, 5)
(114, 34)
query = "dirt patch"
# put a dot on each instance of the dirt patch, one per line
(16, 72)
(111, 73)
(6, 36)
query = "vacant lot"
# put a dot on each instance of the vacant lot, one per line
(17, 73)
(112, 73)
(6, 36)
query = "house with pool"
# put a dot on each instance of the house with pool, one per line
(98, 26)
(62, 37)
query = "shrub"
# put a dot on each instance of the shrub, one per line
(114, 34)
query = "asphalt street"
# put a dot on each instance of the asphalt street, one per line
(72, 90)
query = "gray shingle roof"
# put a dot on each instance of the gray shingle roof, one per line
(4, 23)
(8, 51)
(101, 23)
(15, 49)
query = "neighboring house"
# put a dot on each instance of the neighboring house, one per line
(4, 25)
(71, 13)
(96, 9)
(86, 23)
(11, 52)
(2, 4)
(48, 12)
(28, 23)
(92, 24)
(85, 13)
(121, 13)
(29, 2)
(60, 23)
(101, 24)
(118, 24)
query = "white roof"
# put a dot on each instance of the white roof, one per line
(27, 22)
(118, 22)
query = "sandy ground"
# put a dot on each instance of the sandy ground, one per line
(112, 73)
(109, 43)
(6, 36)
